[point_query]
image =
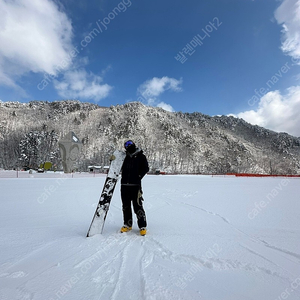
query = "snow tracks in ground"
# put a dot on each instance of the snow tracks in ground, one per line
(208, 238)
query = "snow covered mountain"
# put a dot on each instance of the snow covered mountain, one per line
(173, 142)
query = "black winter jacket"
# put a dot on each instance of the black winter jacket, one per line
(134, 168)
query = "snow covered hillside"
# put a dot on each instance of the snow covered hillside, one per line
(181, 143)
(209, 238)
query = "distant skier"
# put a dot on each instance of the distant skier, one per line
(134, 168)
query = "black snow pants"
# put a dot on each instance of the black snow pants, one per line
(129, 193)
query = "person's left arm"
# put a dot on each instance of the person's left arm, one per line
(144, 167)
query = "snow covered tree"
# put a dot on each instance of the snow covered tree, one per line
(37, 147)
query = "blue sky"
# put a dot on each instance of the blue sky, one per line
(243, 56)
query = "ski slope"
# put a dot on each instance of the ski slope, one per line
(209, 238)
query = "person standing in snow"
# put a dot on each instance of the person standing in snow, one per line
(134, 168)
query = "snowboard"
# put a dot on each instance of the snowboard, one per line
(97, 224)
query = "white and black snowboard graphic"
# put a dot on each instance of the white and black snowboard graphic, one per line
(97, 224)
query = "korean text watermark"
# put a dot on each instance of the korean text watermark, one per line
(198, 40)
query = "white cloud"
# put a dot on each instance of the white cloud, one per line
(165, 106)
(277, 112)
(150, 90)
(78, 84)
(288, 15)
(35, 37)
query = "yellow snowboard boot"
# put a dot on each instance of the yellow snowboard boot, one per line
(143, 231)
(125, 228)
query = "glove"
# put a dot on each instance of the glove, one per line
(112, 157)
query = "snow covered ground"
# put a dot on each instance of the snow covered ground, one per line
(212, 238)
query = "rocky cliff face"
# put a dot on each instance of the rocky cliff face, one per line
(173, 142)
